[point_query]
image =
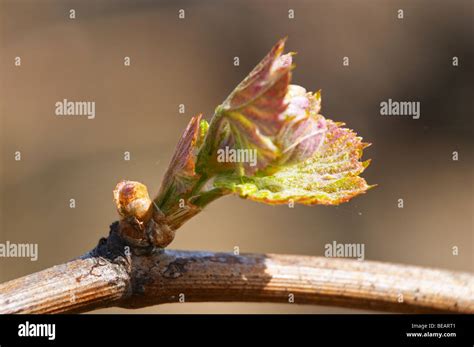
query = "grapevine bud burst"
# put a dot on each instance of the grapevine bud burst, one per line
(301, 156)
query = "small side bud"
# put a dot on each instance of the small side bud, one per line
(132, 200)
(142, 223)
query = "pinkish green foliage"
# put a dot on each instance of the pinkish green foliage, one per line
(301, 156)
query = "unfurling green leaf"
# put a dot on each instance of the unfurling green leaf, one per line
(330, 177)
(304, 129)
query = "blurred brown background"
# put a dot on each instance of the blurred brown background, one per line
(190, 61)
